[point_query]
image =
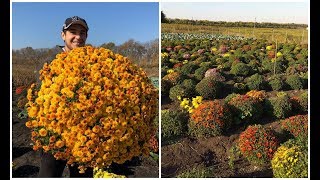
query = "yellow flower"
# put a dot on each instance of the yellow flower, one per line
(43, 132)
(170, 71)
(32, 112)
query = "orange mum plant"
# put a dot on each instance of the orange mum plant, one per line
(93, 107)
(210, 118)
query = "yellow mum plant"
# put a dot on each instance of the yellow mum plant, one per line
(290, 160)
(99, 173)
(93, 107)
(185, 103)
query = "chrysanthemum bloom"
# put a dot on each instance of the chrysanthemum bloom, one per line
(93, 107)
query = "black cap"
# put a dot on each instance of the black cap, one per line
(74, 20)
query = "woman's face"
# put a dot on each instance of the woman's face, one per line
(75, 36)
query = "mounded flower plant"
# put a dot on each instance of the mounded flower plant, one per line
(290, 160)
(93, 107)
(258, 144)
(210, 118)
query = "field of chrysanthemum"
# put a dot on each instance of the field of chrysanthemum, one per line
(233, 107)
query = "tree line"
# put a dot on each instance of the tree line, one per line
(164, 19)
(145, 53)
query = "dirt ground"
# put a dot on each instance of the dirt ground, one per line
(26, 162)
(214, 153)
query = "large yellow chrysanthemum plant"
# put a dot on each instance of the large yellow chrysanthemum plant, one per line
(93, 107)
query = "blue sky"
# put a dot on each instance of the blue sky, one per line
(279, 12)
(39, 24)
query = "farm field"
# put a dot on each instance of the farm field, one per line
(232, 105)
(284, 35)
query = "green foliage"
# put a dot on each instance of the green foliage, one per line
(300, 103)
(173, 124)
(229, 97)
(199, 73)
(189, 85)
(234, 154)
(177, 91)
(209, 88)
(295, 82)
(226, 66)
(188, 68)
(256, 82)
(164, 70)
(290, 161)
(239, 87)
(303, 101)
(255, 65)
(200, 60)
(279, 107)
(240, 69)
(269, 66)
(206, 64)
(221, 61)
(196, 173)
(245, 108)
(276, 83)
(23, 114)
(258, 144)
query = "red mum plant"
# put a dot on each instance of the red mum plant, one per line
(258, 144)
(20, 90)
(296, 125)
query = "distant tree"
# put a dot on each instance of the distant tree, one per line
(152, 52)
(109, 45)
(132, 49)
(163, 18)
